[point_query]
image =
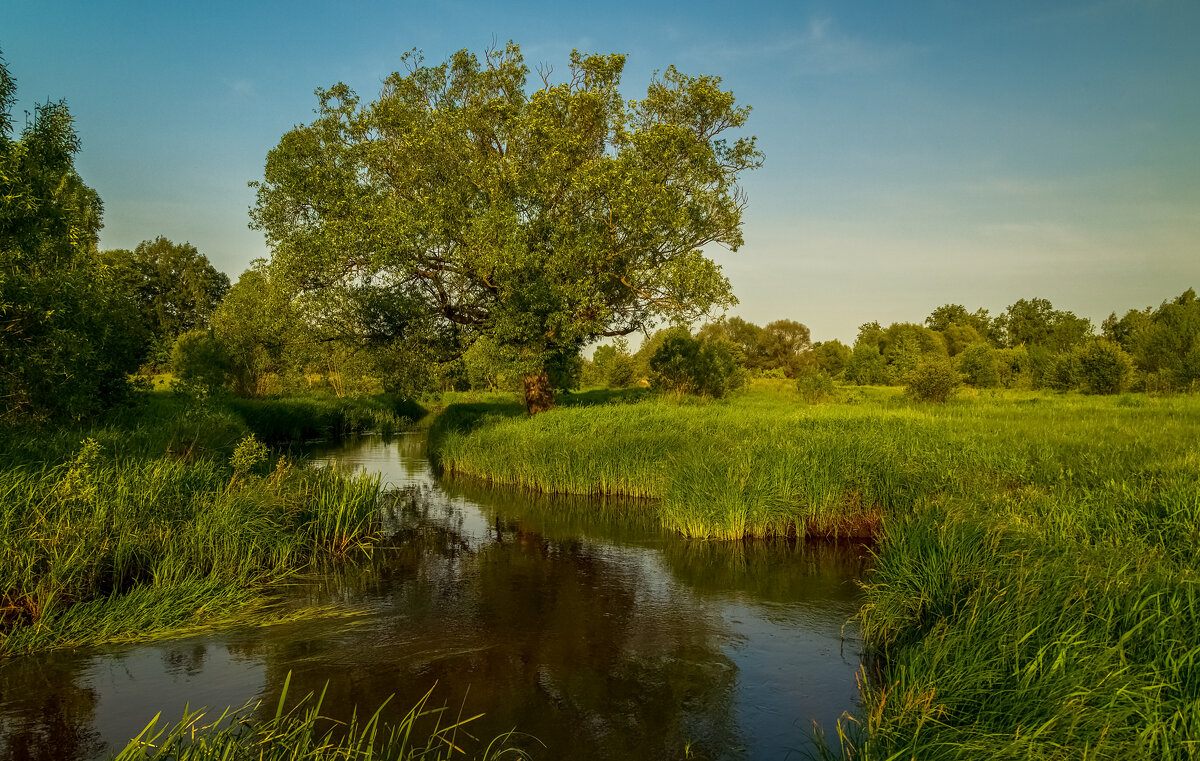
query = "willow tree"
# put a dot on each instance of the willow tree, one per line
(466, 201)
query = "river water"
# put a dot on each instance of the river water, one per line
(573, 620)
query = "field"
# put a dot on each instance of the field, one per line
(1035, 593)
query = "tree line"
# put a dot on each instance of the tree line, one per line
(1031, 345)
(463, 232)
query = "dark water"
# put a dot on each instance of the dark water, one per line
(574, 621)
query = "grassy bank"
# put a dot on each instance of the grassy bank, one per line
(1036, 591)
(164, 517)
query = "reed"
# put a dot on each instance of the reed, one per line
(113, 543)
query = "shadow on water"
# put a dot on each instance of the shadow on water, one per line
(575, 621)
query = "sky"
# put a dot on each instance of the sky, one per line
(917, 153)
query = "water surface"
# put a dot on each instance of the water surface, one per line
(575, 621)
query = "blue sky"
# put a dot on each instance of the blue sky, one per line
(917, 153)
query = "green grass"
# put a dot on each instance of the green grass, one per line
(1035, 593)
(302, 733)
(150, 527)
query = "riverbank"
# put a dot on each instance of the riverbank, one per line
(171, 515)
(1035, 594)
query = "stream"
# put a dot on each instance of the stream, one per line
(574, 620)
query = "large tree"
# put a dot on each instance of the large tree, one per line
(69, 333)
(463, 203)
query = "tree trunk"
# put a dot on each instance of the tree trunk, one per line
(539, 395)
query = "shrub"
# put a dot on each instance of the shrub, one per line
(1063, 372)
(1102, 367)
(200, 361)
(815, 386)
(866, 366)
(688, 365)
(933, 380)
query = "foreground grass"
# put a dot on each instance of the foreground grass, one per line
(154, 525)
(1036, 591)
(302, 733)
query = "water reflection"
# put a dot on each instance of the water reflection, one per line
(580, 624)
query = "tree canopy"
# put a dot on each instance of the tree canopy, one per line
(461, 204)
(175, 285)
(68, 333)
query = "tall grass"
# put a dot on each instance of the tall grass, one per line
(302, 733)
(122, 540)
(1035, 593)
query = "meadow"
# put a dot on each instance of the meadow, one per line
(170, 515)
(1035, 590)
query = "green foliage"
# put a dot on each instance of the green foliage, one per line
(1013, 368)
(978, 366)
(613, 365)
(933, 380)
(256, 325)
(547, 219)
(248, 453)
(1035, 322)
(1064, 373)
(831, 357)
(946, 318)
(176, 287)
(69, 334)
(200, 362)
(1164, 342)
(866, 366)
(1103, 367)
(685, 364)
(815, 385)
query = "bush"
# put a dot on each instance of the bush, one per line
(200, 361)
(1102, 367)
(933, 380)
(866, 366)
(1063, 372)
(688, 365)
(815, 386)
(977, 363)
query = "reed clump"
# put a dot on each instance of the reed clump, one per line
(113, 543)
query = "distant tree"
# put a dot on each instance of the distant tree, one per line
(200, 362)
(687, 364)
(959, 337)
(784, 346)
(69, 333)
(978, 367)
(615, 367)
(1035, 322)
(866, 366)
(257, 325)
(949, 315)
(831, 357)
(745, 337)
(545, 220)
(903, 346)
(176, 286)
